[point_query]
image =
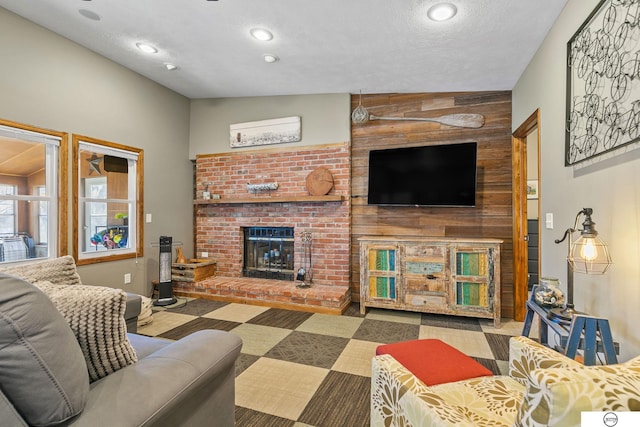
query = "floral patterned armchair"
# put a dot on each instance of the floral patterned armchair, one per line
(543, 388)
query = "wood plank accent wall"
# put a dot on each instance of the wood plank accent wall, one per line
(492, 216)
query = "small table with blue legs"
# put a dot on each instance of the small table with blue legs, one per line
(588, 333)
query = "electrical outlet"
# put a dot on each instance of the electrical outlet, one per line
(205, 254)
(127, 278)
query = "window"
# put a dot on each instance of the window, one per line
(107, 188)
(33, 204)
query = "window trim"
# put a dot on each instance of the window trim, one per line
(39, 216)
(14, 202)
(139, 201)
(61, 184)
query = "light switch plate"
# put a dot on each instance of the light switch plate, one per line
(548, 221)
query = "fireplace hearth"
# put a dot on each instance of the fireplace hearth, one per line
(268, 252)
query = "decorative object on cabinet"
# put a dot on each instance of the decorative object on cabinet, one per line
(265, 132)
(602, 93)
(588, 255)
(453, 276)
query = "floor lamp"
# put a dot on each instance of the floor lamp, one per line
(588, 254)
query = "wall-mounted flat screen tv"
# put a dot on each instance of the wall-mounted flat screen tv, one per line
(434, 175)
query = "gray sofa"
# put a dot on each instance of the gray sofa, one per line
(189, 382)
(44, 380)
(132, 311)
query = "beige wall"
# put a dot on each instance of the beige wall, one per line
(610, 185)
(325, 119)
(50, 82)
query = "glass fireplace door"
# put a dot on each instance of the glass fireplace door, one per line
(268, 252)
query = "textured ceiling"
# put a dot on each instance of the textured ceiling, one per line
(324, 46)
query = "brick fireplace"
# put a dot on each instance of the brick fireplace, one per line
(220, 224)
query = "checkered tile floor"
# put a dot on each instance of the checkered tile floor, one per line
(305, 369)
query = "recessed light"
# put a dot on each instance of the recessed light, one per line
(261, 34)
(442, 12)
(170, 67)
(89, 14)
(146, 48)
(271, 58)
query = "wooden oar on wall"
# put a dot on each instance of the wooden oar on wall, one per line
(464, 120)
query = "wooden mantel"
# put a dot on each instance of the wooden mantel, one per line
(282, 199)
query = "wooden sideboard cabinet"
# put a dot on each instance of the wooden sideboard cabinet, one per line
(453, 276)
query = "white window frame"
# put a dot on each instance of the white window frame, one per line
(88, 216)
(55, 174)
(134, 156)
(43, 238)
(8, 197)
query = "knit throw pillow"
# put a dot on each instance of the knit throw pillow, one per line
(59, 271)
(96, 316)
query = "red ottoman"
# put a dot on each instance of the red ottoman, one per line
(433, 361)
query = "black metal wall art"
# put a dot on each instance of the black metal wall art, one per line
(603, 82)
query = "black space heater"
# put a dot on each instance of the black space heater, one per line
(165, 291)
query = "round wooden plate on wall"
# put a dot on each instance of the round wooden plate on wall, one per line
(319, 182)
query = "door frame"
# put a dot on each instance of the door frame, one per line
(519, 201)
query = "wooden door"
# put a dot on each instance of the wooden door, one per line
(520, 232)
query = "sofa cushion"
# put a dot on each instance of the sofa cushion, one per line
(96, 316)
(526, 355)
(59, 271)
(43, 373)
(557, 396)
(433, 361)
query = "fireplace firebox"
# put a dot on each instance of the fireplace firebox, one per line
(268, 252)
